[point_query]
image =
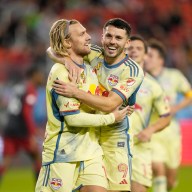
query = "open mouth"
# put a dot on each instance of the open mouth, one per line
(111, 49)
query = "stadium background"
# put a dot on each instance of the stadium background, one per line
(24, 37)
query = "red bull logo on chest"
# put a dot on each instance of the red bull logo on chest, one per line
(113, 80)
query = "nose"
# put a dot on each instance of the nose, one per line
(112, 40)
(88, 37)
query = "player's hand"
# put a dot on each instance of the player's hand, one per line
(131, 109)
(120, 114)
(65, 89)
(144, 135)
(74, 70)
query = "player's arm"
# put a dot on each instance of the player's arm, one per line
(161, 123)
(183, 86)
(186, 101)
(161, 106)
(74, 70)
(95, 120)
(101, 103)
(119, 94)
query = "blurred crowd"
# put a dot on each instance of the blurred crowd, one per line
(25, 25)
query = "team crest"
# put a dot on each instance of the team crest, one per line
(130, 82)
(123, 168)
(113, 80)
(55, 183)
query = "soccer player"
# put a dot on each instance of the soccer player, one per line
(119, 78)
(150, 97)
(71, 154)
(21, 130)
(166, 145)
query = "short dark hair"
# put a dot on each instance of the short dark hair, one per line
(119, 23)
(140, 38)
(157, 45)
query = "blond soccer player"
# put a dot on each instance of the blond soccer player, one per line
(72, 156)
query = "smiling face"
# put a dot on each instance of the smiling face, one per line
(79, 40)
(114, 42)
(136, 51)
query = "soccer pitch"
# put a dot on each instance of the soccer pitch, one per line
(21, 180)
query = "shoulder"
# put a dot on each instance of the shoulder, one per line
(58, 71)
(133, 67)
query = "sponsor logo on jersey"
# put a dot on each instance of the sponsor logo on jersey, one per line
(123, 182)
(94, 89)
(55, 183)
(124, 88)
(138, 107)
(130, 81)
(120, 144)
(113, 80)
(123, 168)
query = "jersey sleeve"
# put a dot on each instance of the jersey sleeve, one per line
(89, 120)
(65, 105)
(161, 103)
(96, 51)
(183, 86)
(129, 84)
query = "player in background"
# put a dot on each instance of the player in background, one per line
(166, 145)
(119, 78)
(71, 154)
(21, 130)
(150, 97)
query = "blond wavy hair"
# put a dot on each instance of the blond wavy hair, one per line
(58, 34)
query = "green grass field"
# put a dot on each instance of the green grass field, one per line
(21, 180)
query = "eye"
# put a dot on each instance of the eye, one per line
(118, 37)
(82, 33)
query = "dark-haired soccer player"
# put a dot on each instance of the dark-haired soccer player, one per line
(150, 97)
(166, 145)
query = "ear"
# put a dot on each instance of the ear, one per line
(67, 43)
(127, 44)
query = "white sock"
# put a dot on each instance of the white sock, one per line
(160, 184)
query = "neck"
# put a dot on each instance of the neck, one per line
(77, 59)
(141, 64)
(156, 72)
(114, 60)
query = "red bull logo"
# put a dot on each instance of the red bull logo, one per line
(113, 80)
(55, 183)
(130, 82)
